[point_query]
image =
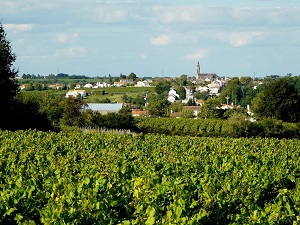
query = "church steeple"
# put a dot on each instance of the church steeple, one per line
(198, 70)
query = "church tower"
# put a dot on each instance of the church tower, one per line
(198, 71)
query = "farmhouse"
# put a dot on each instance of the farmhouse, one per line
(76, 94)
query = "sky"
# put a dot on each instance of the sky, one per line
(154, 38)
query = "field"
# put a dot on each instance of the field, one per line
(115, 94)
(94, 178)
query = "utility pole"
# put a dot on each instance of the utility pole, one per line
(146, 103)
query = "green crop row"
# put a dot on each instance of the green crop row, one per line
(92, 178)
(219, 128)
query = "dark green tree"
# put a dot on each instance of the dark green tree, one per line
(210, 109)
(182, 80)
(162, 87)
(181, 92)
(8, 83)
(132, 76)
(202, 95)
(279, 100)
(159, 108)
(72, 112)
(233, 90)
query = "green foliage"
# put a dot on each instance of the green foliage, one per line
(177, 106)
(233, 90)
(181, 92)
(202, 95)
(132, 76)
(91, 178)
(72, 115)
(238, 125)
(162, 87)
(159, 108)
(210, 109)
(235, 126)
(121, 120)
(279, 100)
(187, 113)
(8, 83)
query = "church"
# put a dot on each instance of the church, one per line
(204, 76)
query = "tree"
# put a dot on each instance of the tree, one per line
(159, 108)
(176, 106)
(202, 95)
(211, 109)
(72, 115)
(279, 100)
(125, 98)
(233, 90)
(181, 92)
(162, 87)
(122, 77)
(8, 83)
(132, 76)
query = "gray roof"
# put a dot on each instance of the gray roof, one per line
(105, 106)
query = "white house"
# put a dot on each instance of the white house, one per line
(142, 84)
(172, 96)
(88, 85)
(215, 87)
(76, 93)
(102, 84)
(202, 89)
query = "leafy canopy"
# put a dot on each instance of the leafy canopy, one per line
(8, 84)
(279, 100)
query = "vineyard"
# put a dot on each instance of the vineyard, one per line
(93, 178)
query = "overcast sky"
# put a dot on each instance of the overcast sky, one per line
(154, 37)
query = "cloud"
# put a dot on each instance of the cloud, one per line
(67, 38)
(108, 12)
(71, 52)
(163, 39)
(239, 39)
(190, 14)
(196, 55)
(261, 16)
(18, 27)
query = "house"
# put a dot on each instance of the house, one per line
(199, 102)
(225, 106)
(214, 87)
(55, 86)
(172, 96)
(139, 112)
(76, 94)
(202, 89)
(189, 95)
(88, 85)
(119, 84)
(142, 84)
(102, 84)
(105, 108)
